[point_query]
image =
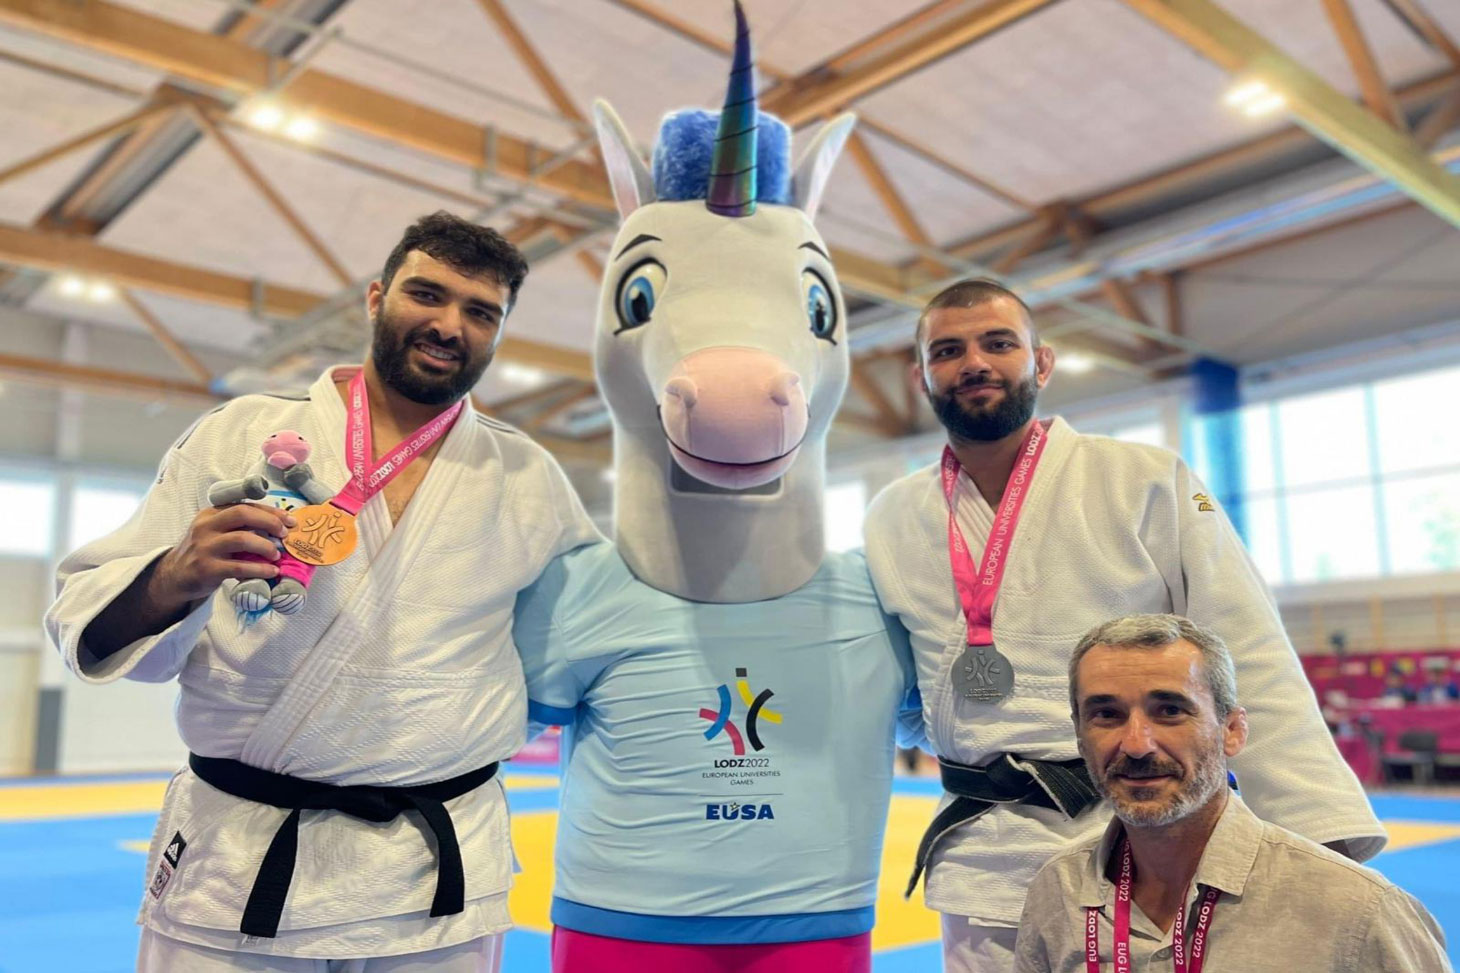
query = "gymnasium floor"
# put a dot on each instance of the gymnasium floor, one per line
(71, 861)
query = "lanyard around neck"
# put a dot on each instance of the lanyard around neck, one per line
(978, 586)
(1121, 956)
(367, 479)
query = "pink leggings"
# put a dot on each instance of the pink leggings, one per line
(289, 566)
(579, 952)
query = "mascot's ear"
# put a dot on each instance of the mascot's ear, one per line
(633, 186)
(809, 180)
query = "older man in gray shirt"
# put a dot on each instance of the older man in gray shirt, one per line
(1186, 877)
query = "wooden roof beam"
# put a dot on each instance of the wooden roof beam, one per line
(211, 60)
(887, 193)
(817, 92)
(1417, 19)
(233, 66)
(1375, 91)
(1378, 147)
(50, 251)
(127, 122)
(106, 381)
(271, 195)
(166, 338)
(1192, 173)
(683, 28)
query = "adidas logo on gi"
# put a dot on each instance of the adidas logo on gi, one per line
(171, 856)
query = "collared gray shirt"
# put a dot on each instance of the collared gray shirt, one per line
(1286, 904)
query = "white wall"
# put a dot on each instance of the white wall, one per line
(68, 438)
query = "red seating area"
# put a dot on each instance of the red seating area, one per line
(1368, 726)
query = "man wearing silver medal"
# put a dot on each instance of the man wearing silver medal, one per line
(340, 808)
(1024, 536)
(1187, 877)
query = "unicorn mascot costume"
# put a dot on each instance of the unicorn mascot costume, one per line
(730, 692)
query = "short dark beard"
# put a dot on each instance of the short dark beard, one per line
(390, 350)
(991, 424)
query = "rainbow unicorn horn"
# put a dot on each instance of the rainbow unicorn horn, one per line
(732, 170)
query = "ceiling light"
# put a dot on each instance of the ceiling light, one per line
(100, 292)
(302, 128)
(1254, 98)
(1075, 363)
(72, 286)
(1265, 105)
(267, 117)
(520, 374)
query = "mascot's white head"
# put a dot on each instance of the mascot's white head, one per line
(721, 347)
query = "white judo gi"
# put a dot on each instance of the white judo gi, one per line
(1108, 529)
(399, 670)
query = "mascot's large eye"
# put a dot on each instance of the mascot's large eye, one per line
(638, 292)
(820, 308)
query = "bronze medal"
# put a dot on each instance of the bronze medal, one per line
(325, 534)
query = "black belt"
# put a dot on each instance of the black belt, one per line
(1062, 785)
(364, 801)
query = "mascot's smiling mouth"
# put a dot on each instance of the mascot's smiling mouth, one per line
(732, 474)
(680, 450)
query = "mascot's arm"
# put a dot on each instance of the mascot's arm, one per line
(911, 731)
(252, 487)
(300, 479)
(544, 641)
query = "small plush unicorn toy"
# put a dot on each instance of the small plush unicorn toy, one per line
(731, 692)
(281, 479)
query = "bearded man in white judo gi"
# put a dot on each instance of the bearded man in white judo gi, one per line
(1023, 537)
(340, 810)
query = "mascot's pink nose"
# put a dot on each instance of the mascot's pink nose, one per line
(736, 406)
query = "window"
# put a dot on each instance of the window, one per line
(1415, 421)
(1325, 437)
(846, 504)
(1422, 520)
(98, 510)
(1332, 534)
(27, 515)
(1355, 482)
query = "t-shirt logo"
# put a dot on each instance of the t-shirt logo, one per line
(1203, 502)
(756, 711)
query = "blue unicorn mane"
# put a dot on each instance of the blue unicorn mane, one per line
(686, 144)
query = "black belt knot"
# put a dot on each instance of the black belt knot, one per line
(1062, 785)
(369, 803)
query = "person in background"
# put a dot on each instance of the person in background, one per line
(1439, 687)
(1186, 876)
(1396, 689)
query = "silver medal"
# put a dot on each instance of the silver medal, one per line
(982, 673)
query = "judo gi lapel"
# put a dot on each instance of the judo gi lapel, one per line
(388, 552)
(973, 507)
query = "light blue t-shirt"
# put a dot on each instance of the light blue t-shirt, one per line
(726, 768)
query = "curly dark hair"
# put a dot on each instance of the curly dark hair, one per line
(464, 246)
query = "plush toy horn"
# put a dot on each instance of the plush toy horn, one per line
(732, 170)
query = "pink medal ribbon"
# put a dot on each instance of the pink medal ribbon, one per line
(1122, 960)
(981, 672)
(366, 482)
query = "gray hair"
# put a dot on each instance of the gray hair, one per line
(1156, 632)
